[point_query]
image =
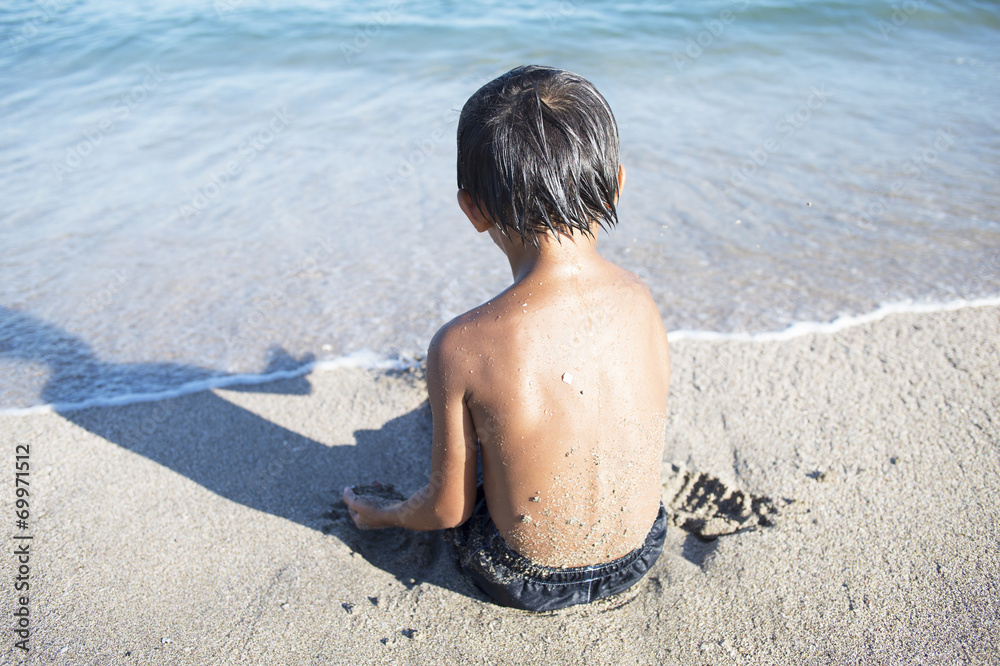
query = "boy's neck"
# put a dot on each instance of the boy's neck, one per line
(566, 255)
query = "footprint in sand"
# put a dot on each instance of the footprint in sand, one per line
(704, 506)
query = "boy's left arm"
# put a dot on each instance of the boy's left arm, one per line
(448, 498)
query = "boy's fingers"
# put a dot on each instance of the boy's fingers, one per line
(356, 519)
(352, 501)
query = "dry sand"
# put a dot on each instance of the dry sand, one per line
(207, 529)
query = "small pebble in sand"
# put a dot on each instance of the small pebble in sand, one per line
(525, 518)
(536, 498)
(567, 377)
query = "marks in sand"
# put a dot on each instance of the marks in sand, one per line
(705, 507)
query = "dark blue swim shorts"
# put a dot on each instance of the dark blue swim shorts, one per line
(511, 579)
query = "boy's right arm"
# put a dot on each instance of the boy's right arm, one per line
(448, 499)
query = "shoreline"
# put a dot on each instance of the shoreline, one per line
(206, 528)
(371, 360)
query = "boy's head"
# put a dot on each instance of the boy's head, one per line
(538, 153)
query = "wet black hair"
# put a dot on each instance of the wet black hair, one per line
(538, 152)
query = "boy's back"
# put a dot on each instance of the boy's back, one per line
(560, 382)
(566, 381)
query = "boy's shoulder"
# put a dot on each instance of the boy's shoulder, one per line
(466, 329)
(507, 316)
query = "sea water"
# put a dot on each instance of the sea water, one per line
(194, 191)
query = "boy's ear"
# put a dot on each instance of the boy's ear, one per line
(473, 212)
(621, 181)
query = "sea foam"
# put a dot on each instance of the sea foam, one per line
(371, 360)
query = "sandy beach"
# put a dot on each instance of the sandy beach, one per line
(207, 529)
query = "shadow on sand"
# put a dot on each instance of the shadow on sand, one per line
(237, 454)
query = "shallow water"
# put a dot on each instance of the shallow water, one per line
(195, 190)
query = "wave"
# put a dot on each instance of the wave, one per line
(799, 329)
(365, 359)
(371, 360)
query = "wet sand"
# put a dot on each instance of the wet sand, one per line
(207, 529)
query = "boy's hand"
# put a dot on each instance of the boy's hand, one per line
(376, 506)
(366, 513)
(358, 508)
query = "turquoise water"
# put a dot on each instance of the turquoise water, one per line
(195, 189)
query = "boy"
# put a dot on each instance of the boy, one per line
(560, 381)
